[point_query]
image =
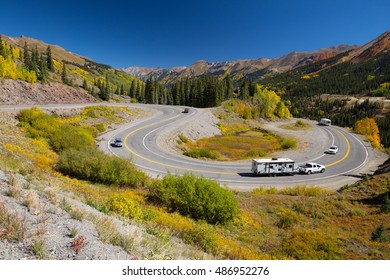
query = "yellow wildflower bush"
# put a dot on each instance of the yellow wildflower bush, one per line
(124, 205)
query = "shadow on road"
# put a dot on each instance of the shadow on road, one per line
(359, 176)
(246, 174)
(250, 174)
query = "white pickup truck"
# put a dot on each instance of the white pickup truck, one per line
(311, 167)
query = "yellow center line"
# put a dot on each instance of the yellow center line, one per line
(161, 163)
(207, 171)
(346, 154)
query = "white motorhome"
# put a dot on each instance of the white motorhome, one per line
(273, 166)
(324, 121)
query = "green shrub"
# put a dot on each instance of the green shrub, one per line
(202, 153)
(289, 144)
(256, 153)
(201, 235)
(68, 136)
(99, 167)
(183, 138)
(198, 197)
(78, 155)
(61, 136)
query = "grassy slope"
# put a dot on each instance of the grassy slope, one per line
(299, 223)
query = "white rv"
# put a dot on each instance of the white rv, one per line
(324, 121)
(273, 166)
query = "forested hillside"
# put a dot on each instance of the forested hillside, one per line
(34, 61)
(364, 72)
(368, 77)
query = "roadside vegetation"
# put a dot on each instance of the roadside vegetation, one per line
(242, 137)
(369, 128)
(304, 222)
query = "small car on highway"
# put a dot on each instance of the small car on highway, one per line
(118, 142)
(186, 110)
(311, 167)
(332, 150)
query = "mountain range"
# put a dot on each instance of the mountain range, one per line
(82, 68)
(237, 69)
(258, 68)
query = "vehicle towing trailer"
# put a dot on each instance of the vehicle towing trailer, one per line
(273, 166)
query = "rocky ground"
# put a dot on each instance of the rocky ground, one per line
(39, 217)
(14, 92)
(205, 125)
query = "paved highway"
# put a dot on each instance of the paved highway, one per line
(140, 144)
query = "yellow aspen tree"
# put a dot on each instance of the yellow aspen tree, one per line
(369, 128)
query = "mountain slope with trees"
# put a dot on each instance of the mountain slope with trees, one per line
(34, 61)
(327, 88)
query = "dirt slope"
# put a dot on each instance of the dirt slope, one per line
(13, 92)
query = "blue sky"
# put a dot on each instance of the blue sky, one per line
(175, 33)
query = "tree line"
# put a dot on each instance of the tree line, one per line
(206, 91)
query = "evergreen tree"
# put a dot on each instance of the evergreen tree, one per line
(379, 234)
(229, 88)
(385, 208)
(1, 47)
(133, 89)
(85, 85)
(244, 91)
(34, 60)
(149, 91)
(26, 57)
(43, 74)
(64, 75)
(106, 93)
(49, 59)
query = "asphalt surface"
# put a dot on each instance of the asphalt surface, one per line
(141, 145)
(354, 159)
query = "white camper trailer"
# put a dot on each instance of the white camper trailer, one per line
(324, 121)
(273, 166)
